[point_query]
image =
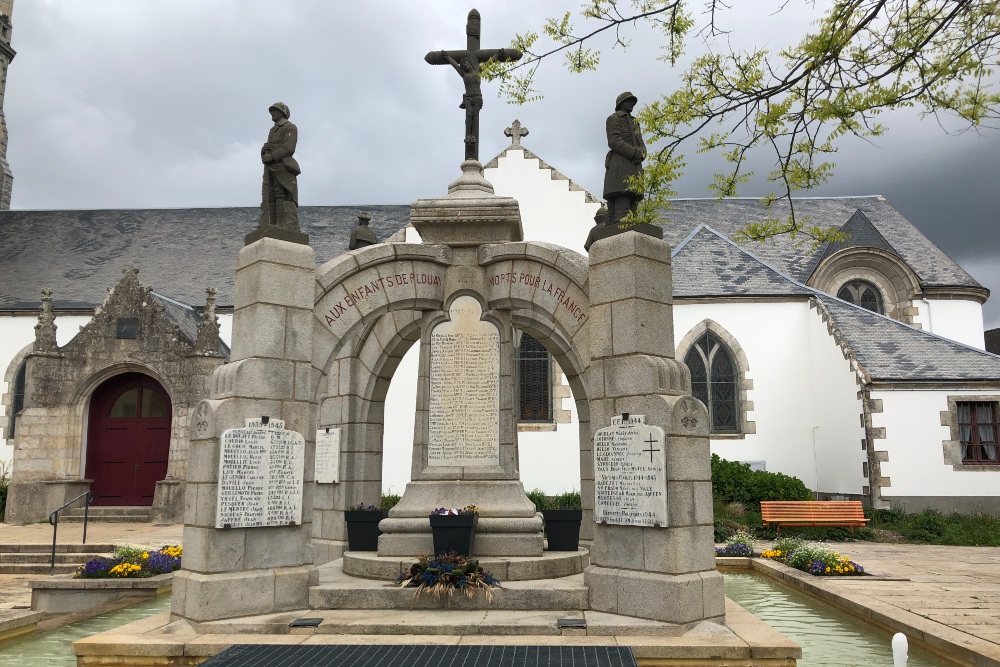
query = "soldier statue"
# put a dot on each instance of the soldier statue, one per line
(280, 192)
(362, 235)
(625, 156)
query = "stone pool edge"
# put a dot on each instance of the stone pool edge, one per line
(943, 641)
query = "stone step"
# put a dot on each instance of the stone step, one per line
(491, 622)
(38, 568)
(77, 558)
(69, 547)
(108, 514)
(337, 590)
(550, 565)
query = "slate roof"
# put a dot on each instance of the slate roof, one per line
(186, 318)
(179, 252)
(887, 350)
(930, 263)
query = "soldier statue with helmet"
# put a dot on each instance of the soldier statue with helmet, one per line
(280, 192)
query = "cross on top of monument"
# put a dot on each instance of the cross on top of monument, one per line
(467, 63)
(515, 132)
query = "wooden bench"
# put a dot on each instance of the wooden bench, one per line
(846, 513)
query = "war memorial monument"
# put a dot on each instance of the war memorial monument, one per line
(292, 435)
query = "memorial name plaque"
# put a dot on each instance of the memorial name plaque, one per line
(630, 473)
(464, 418)
(328, 456)
(261, 468)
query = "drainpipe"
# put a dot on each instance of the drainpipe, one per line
(815, 463)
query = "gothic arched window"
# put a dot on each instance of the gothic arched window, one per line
(715, 383)
(862, 293)
(17, 399)
(533, 367)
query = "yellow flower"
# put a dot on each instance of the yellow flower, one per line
(827, 569)
(145, 555)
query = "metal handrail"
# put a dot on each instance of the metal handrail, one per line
(54, 520)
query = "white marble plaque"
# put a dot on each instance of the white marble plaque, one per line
(328, 456)
(261, 468)
(630, 473)
(464, 419)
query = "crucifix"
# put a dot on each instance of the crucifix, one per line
(467, 63)
(652, 441)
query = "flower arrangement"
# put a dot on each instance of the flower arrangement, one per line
(361, 507)
(468, 509)
(741, 543)
(813, 558)
(444, 574)
(132, 562)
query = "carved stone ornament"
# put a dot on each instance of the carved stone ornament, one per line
(45, 330)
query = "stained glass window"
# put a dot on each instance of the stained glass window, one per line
(533, 366)
(862, 293)
(714, 382)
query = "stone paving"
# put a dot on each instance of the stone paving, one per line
(949, 592)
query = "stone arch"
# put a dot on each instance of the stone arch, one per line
(372, 305)
(739, 356)
(7, 400)
(892, 276)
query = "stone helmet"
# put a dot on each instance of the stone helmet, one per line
(601, 217)
(622, 98)
(282, 107)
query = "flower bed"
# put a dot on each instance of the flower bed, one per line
(813, 558)
(132, 562)
(446, 573)
(739, 545)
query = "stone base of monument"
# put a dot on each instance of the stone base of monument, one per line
(508, 523)
(550, 565)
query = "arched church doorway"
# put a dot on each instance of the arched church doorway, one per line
(128, 439)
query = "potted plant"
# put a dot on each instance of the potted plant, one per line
(362, 527)
(562, 522)
(454, 530)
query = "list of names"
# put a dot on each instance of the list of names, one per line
(630, 473)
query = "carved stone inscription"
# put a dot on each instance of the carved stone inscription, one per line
(630, 473)
(261, 468)
(328, 456)
(464, 419)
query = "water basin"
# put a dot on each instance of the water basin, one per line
(827, 635)
(54, 648)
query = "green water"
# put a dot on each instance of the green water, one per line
(54, 648)
(827, 636)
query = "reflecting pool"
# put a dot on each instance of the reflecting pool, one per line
(827, 636)
(54, 648)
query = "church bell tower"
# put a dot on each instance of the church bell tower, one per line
(6, 56)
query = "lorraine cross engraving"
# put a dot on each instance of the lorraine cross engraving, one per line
(261, 469)
(629, 491)
(467, 63)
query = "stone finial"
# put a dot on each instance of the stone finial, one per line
(207, 343)
(515, 132)
(45, 330)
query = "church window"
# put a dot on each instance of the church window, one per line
(533, 368)
(714, 382)
(17, 398)
(862, 293)
(126, 405)
(977, 431)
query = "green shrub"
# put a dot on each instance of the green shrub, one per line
(735, 482)
(537, 496)
(389, 500)
(567, 501)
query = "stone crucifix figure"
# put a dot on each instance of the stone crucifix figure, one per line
(467, 63)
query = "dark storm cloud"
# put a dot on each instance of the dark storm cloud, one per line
(163, 103)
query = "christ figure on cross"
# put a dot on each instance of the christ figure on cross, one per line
(467, 63)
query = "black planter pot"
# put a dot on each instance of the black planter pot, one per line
(454, 532)
(562, 528)
(362, 530)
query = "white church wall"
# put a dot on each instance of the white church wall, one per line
(956, 319)
(550, 211)
(805, 405)
(914, 438)
(837, 432)
(18, 332)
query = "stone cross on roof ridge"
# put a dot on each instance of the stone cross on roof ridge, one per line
(515, 132)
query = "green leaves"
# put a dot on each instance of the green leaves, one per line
(861, 59)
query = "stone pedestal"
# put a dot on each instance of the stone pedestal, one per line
(240, 571)
(663, 573)
(469, 216)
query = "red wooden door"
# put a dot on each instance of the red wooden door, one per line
(128, 440)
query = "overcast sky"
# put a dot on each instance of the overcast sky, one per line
(163, 103)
